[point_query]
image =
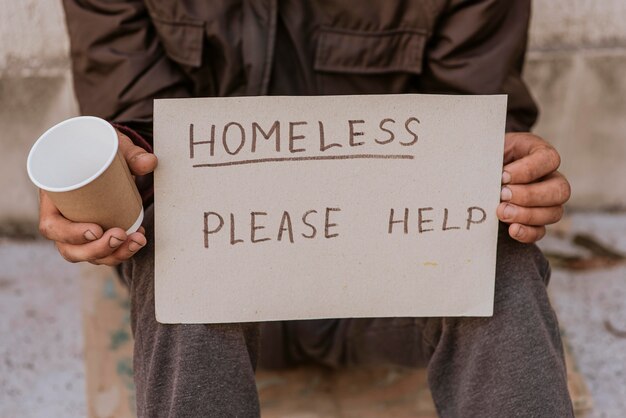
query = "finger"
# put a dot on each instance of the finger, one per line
(110, 241)
(140, 162)
(519, 144)
(525, 233)
(540, 161)
(129, 248)
(553, 191)
(108, 261)
(510, 213)
(54, 226)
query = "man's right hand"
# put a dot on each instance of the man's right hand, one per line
(87, 241)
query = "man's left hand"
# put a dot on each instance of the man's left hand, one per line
(533, 191)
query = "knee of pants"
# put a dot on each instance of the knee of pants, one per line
(523, 320)
(522, 275)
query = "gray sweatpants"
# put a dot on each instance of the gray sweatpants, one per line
(508, 365)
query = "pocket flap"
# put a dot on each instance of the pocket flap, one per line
(182, 41)
(368, 52)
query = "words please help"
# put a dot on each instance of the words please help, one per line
(281, 208)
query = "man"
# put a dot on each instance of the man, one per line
(127, 53)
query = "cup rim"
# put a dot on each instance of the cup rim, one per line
(89, 179)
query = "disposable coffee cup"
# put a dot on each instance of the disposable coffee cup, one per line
(78, 164)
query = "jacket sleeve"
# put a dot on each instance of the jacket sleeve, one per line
(118, 64)
(478, 47)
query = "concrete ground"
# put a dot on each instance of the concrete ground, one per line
(41, 363)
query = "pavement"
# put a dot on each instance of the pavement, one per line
(42, 372)
(588, 292)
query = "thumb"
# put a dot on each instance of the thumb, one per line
(140, 162)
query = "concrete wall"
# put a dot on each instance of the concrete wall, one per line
(35, 93)
(575, 67)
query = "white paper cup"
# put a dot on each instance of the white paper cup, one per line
(78, 165)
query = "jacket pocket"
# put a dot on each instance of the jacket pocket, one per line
(370, 52)
(182, 41)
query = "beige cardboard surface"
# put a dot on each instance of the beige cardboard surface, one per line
(270, 208)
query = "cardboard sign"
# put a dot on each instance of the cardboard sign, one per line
(276, 208)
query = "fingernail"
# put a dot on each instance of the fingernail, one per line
(520, 232)
(140, 155)
(506, 177)
(134, 246)
(509, 211)
(506, 194)
(115, 242)
(90, 236)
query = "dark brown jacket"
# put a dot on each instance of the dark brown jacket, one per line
(126, 53)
